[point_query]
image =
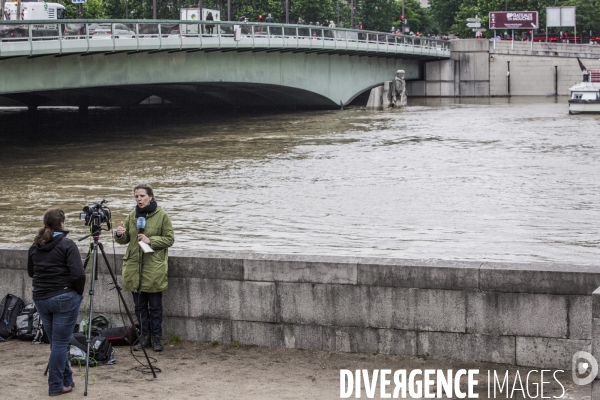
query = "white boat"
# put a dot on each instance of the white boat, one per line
(585, 96)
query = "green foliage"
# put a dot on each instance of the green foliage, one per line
(175, 340)
(92, 9)
(215, 343)
(381, 15)
(235, 344)
(443, 13)
(315, 11)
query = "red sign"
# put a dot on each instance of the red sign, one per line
(514, 20)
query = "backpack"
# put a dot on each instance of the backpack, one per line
(10, 308)
(121, 336)
(102, 352)
(29, 326)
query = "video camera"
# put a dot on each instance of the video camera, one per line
(96, 215)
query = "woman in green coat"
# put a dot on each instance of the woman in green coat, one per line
(144, 271)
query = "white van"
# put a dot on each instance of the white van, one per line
(34, 11)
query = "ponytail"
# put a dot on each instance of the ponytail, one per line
(53, 219)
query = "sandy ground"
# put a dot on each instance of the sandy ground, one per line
(200, 370)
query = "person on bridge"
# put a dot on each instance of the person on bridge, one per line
(301, 21)
(145, 270)
(209, 28)
(269, 19)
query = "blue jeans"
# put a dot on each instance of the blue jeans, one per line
(148, 310)
(59, 315)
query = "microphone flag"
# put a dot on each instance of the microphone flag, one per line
(141, 224)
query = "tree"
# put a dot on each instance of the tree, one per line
(443, 13)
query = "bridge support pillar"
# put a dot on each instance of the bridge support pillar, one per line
(83, 109)
(32, 108)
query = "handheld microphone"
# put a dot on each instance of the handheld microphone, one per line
(141, 224)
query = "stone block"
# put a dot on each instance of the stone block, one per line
(469, 45)
(580, 317)
(543, 352)
(318, 304)
(432, 71)
(258, 333)
(301, 268)
(12, 281)
(306, 337)
(14, 256)
(540, 278)
(202, 330)
(416, 309)
(447, 70)
(375, 101)
(415, 88)
(488, 348)
(176, 299)
(427, 274)
(369, 340)
(447, 89)
(225, 299)
(496, 313)
(115, 260)
(433, 89)
(206, 264)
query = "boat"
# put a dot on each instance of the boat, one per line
(585, 96)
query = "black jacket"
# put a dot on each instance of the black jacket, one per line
(56, 268)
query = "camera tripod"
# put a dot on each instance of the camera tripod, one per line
(96, 244)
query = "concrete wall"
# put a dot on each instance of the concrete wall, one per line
(529, 315)
(534, 75)
(479, 67)
(466, 74)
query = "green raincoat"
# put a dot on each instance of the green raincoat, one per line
(152, 267)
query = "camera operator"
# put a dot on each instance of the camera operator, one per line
(145, 274)
(55, 265)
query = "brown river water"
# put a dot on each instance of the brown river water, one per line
(476, 179)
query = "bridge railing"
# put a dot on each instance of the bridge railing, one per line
(72, 36)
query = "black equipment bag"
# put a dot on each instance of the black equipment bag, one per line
(101, 351)
(120, 336)
(10, 308)
(30, 326)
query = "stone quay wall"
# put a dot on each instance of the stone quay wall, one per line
(522, 314)
(478, 68)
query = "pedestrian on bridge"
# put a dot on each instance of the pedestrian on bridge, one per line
(269, 19)
(209, 28)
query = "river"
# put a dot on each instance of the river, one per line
(473, 179)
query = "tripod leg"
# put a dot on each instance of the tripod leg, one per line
(91, 312)
(47, 368)
(114, 279)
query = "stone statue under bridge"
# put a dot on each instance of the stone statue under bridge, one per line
(392, 94)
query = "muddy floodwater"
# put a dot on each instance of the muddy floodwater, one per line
(479, 179)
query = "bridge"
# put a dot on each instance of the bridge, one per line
(200, 63)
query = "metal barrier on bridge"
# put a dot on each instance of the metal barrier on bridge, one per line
(36, 38)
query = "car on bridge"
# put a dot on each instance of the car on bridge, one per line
(106, 31)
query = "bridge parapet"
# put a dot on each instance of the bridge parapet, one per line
(38, 38)
(569, 50)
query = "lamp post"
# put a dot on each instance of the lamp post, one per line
(200, 9)
(287, 11)
(126, 9)
(153, 9)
